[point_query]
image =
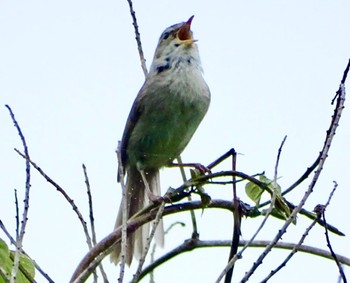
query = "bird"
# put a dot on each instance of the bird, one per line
(163, 118)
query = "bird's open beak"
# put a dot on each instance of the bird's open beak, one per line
(185, 34)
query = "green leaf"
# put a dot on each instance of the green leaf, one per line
(27, 264)
(270, 184)
(254, 212)
(195, 173)
(281, 209)
(206, 199)
(6, 263)
(254, 192)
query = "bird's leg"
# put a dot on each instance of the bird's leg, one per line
(152, 197)
(203, 169)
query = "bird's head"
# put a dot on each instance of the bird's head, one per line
(174, 43)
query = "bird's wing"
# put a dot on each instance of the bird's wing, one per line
(134, 116)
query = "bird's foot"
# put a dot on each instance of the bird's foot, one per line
(200, 167)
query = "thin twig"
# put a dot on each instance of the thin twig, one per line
(24, 271)
(222, 158)
(4, 275)
(133, 224)
(345, 74)
(193, 215)
(17, 214)
(237, 217)
(302, 178)
(249, 243)
(193, 244)
(237, 256)
(92, 222)
(91, 216)
(278, 160)
(324, 153)
(323, 214)
(138, 38)
(149, 240)
(83, 276)
(152, 254)
(104, 246)
(312, 216)
(299, 244)
(19, 239)
(65, 195)
(13, 242)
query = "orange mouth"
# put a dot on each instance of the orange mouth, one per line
(184, 34)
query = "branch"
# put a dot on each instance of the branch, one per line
(237, 221)
(89, 262)
(20, 237)
(299, 244)
(324, 153)
(92, 222)
(323, 215)
(13, 242)
(192, 244)
(65, 195)
(138, 38)
(148, 244)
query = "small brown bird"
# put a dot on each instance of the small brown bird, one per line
(166, 113)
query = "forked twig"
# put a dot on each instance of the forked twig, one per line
(20, 237)
(322, 215)
(193, 216)
(65, 195)
(228, 268)
(104, 246)
(193, 244)
(148, 244)
(299, 244)
(92, 222)
(324, 153)
(13, 242)
(237, 218)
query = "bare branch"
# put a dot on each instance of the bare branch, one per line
(20, 237)
(323, 215)
(192, 244)
(138, 38)
(299, 244)
(17, 214)
(133, 224)
(237, 218)
(278, 159)
(189, 198)
(65, 195)
(248, 243)
(92, 222)
(13, 242)
(149, 239)
(324, 153)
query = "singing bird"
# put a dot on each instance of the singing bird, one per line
(164, 116)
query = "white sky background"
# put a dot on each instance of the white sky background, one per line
(70, 71)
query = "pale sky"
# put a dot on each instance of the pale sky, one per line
(70, 71)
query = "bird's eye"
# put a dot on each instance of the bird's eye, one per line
(166, 35)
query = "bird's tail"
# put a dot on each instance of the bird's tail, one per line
(137, 200)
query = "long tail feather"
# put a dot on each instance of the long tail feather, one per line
(137, 200)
